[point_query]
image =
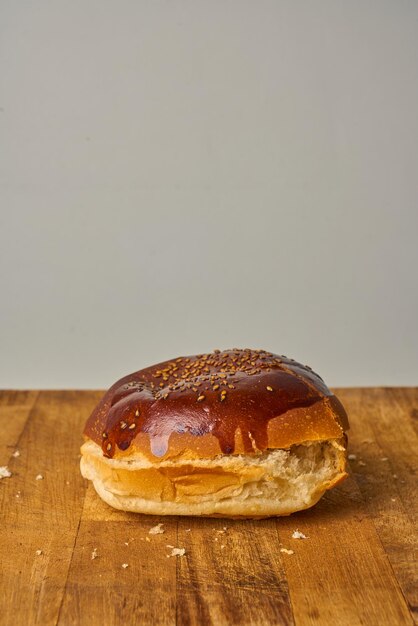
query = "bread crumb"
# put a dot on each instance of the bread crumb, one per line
(156, 530)
(393, 499)
(298, 535)
(385, 458)
(178, 552)
(188, 530)
(38, 552)
(147, 539)
(362, 463)
(352, 457)
(125, 565)
(94, 554)
(16, 453)
(18, 494)
(126, 543)
(5, 472)
(286, 551)
(39, 477)
(222, 546)
(395, 476)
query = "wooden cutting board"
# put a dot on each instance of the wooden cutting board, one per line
(357, 566)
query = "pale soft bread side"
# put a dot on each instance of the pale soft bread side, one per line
(276, 482)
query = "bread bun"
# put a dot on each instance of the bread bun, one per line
(239, 433)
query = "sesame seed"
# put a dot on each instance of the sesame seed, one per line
(132, 426)
(104, 435)
(269, 388)
(215, 387)
(123, 425)
(200, 398)
(136, 414)
(109, 446)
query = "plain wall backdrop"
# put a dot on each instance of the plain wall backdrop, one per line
(183, 175)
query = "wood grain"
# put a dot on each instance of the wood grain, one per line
(102, 587)
(358, 565)
(233, 574)
(15, 407)
(385, 443)
(340, 574)
(46, 514)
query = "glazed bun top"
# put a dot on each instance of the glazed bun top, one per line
(231, 402)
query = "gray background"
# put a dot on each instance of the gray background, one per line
(188, 175)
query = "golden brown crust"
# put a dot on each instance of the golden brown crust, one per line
(231, 402)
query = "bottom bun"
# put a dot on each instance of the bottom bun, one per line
(277, 482)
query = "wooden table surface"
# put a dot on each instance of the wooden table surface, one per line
(358, 565)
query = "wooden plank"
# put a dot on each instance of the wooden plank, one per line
(357, 567)
(385, 444)
(340, 574)
(46, 515)
(100, 591)
(232, 576)
(15, 407)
